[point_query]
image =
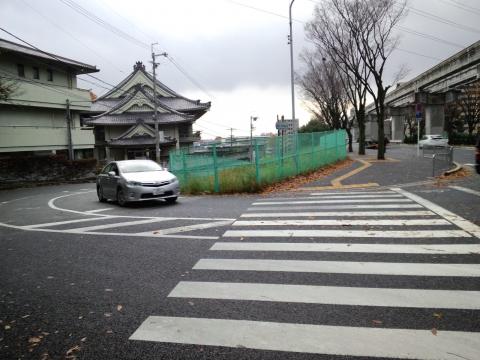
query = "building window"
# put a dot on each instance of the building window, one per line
(36, 73)
(21, 70)
(49, 75)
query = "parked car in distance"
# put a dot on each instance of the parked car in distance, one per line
(433, 140)
(136, 180)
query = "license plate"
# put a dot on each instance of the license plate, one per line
(157, 191)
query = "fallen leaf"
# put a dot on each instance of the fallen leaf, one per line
(72, 350)
(107, 314)
(119, 307)
(7, 327)
(109, 290)
(191, 303)
(438, 315)
(377, 322)
(83, 339)
(434, 331)
(25, 316)
(34, 340)
(109, 332)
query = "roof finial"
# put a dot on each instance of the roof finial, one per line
(138, 66)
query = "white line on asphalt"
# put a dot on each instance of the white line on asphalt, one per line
(188, 228)
(342, 201)
(115, 225)
(98, 210)
(316, 339)
(338, 207)
(343, 222)
(339, 214)
(338, 295)
(61, 223)
(349, 233)
(111, 234)
(467, 190)
(352, 193)
(340, 267)
(350, 248)
(393, 196)
(453, 218)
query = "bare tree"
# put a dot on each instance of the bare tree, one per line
(469, 105)
(358, 35)
(323, 88)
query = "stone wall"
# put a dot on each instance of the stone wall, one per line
(33, 170)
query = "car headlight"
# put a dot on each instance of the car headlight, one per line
(173, 180)
(134, 183)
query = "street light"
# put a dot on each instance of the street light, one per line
(155, 119)
(252, 119)
(290, 42)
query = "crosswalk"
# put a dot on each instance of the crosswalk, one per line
(383, 274)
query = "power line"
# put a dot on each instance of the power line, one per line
(418, 54)
(92, 17)
(464, 7)
(71, 35)
(442, 20)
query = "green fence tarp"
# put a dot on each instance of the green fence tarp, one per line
(244, 166)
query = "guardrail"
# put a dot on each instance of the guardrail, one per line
(440, 155)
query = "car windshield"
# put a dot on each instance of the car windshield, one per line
(138, 166)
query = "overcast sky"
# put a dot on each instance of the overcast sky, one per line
(235, 51)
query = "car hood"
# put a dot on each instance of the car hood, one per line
(149, 176)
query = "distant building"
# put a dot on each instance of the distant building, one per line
(124, 123)
(288, 126)
(33, 119)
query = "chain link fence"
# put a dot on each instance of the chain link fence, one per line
(249, 164)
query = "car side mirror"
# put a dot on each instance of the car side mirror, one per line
(111, 173)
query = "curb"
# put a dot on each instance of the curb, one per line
(454, 170)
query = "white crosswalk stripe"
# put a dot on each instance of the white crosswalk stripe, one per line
(282, 250)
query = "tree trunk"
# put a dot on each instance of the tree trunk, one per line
(360, 114)
(350, 141)
(380, 107)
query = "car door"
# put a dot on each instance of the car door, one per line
(111, 181)
(103, 180)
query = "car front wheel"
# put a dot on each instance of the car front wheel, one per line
(121, 197)
(101, 198)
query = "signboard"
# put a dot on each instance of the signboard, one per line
(418, 111)
(281, 125)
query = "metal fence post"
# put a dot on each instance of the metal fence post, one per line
(257, 163)
(184, 165)
(216, 183)
(297, 170)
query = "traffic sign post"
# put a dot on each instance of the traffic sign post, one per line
(418, 116)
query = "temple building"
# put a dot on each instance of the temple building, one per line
(123, 119)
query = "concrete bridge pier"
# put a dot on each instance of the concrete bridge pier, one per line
(434, 118)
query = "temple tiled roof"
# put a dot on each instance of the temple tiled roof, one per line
(132, 119)
(138, 140)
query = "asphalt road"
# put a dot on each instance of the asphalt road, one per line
(343, 274)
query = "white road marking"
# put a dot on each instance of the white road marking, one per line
(342, 201)
(115, 225)
(467, 190)
(189, 228)
(350, 248)
(343, 222)
(337, 207)
(339, 214)
(340, 267)
(453, 218)
(61, 223)
(393, 196)
(352, 193)
(349, 233)
(111, 234)
(98, 210)
(338, 295)
(316, 339)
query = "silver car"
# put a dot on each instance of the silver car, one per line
(136, 180)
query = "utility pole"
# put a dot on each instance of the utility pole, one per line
(231, 137)
(68, 117)
(290, 42)
(252, 119)
(155, 119)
